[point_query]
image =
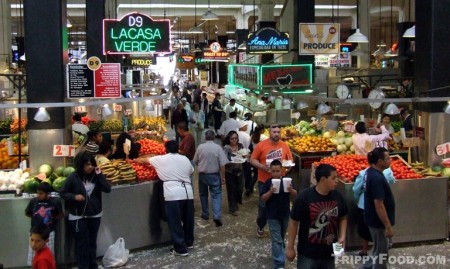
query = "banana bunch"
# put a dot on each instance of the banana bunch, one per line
(118, 171)
(150, 123)
(112, 125)
(419, 167)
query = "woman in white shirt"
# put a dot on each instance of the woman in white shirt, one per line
(196, 123)
(365, 143)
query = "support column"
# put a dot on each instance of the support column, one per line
(265, 9)
(95, 13)
(364, 26)
(46, 53)
(303, 12)
(241, 36)
(265, 58)
(222, 71)
(5, 44)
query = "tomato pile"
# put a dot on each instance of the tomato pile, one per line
(149, 146)
(144, 172)
(401, 171)
(347, 166)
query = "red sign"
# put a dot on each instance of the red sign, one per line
(107, 81)
(443, 149)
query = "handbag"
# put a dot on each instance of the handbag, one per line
(116, 255)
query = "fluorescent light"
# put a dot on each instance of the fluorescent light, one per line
(68, 5)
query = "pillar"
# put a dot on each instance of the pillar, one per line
(266, 10)
(5, 45)
(95, 13)
(303, 12)
(46, 54)
(222, 71)
(267, 57)
(364, 27)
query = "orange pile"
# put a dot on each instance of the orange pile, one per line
(6, 161)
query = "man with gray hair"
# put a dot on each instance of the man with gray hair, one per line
(211, 161)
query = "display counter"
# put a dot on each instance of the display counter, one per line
(132, 212)
(420, 210)
(303, 162)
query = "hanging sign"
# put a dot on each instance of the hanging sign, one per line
(136, 33)
(268, 40)
(287, 76)
(215, 53)
(101, 83)
(141, 62)
(319, 38)
(337, 60)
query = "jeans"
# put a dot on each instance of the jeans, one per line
(261, 220)
(308, 263)
(85, 231)
(277, 228)
(248, 179)
(214, 184)
(235, 187)
(180, 218)
(379, 255)
(217, 120)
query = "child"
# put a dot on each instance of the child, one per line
(44, 210)
(38, 242)
(277, 208)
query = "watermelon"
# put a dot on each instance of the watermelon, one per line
(59, 171)
(30, 185)
(58, 183)
(68, 170)
(45, 168)
(53, 176)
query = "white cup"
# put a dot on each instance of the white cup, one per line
(286, 183)
(269, 161)
(276, 182)
(361, 118)
(338, 249)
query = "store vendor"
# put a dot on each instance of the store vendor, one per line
(407, 120)
(120, 152)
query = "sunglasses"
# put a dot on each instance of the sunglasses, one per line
(275, 126)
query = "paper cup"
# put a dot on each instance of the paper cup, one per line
(338, 250)
(276, 184)
(361, 118)
(286, 183)
(269, 161)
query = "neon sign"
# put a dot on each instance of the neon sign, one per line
(136, 33)
(268, 40)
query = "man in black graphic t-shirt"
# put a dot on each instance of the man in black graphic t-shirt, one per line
(321, 213)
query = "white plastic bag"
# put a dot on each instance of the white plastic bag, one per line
(116, 255)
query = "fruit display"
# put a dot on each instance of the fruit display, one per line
(14, 127)
(151, 147)
(146, 123)
(6, 161)
(112, 125)
(311, 143)
(348, 167)
(96, 125)
(145, 172)
(306, 128)
(118, 172)
(343, 142)
(289, 132)
(13, 180)
(5, 126)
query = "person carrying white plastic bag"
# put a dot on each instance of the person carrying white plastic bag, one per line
(116, 255)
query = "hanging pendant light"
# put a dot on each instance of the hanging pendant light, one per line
(447, 108)
(323, 109)
(209, 15)
(302, 104)
(42, 115)
(106, 111)
(357, 37)
(391, 109)
(410, 32)
(196, 29)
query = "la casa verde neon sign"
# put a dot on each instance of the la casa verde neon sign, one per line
(136, 33)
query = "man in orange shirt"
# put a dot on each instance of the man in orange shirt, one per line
(264, 153)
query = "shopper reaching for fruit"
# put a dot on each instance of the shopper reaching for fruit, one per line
(365, 143)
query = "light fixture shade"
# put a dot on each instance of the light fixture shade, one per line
(209, 16)
(242, 46)
(447, 108)
(392, 109)
(302, 105)
(106, 111)
(357, 37)
(323, 108)
(410, 32)
(42, 115)
(196, 30)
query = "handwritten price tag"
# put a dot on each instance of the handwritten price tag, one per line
(411, 142)
(79, 109)
(63, 151)
(443, 149)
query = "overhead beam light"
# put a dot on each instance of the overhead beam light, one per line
(341, 7)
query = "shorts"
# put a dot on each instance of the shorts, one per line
(50, 245)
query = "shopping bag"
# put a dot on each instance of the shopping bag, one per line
(116, 255)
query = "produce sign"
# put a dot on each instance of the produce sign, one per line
(149, 146)
(136, 33)
(319, 38)
(348, 167)
(268, 40)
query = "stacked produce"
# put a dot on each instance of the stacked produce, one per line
(446, 164)
(118, 171)
(56, 178)
(13, 180)
(5, 126)
(348, 167)
(311, 143)
(145, 172)
(151, 147)
(6, 161)
(15, 125)
(146, 123)
(112, 125)
(288, 133)
(344, 144)
(305, 128)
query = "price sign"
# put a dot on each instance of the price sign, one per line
(411, 142)
(9, 112)
(79, 109)
(63, 151)
(117, 108)
(128, 112)
(443, 149)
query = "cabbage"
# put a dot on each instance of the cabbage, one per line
(348, 141)
(45, 168)
(340, 134)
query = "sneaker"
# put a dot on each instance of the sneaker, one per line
(190, 247)
(234, 213)
(218, 222)
(174, 252)
(259, 232)
(204, 218)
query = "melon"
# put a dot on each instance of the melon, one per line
(59, 171)
(68, 170)
(45, 168)
(30, 186)
(58, 183)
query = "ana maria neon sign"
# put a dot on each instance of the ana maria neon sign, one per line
(136, 33)
(268, 40)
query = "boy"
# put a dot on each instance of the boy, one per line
(44, 210)
(319, 214)
(38, 242)
(277, 204)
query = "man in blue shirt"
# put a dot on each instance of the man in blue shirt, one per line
(379, 208)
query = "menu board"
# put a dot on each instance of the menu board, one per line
(80, 81)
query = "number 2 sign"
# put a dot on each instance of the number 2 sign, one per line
(443, 149)
(63, 151)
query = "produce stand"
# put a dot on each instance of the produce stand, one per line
(304, 161)
(129, 211)
(420, 210)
